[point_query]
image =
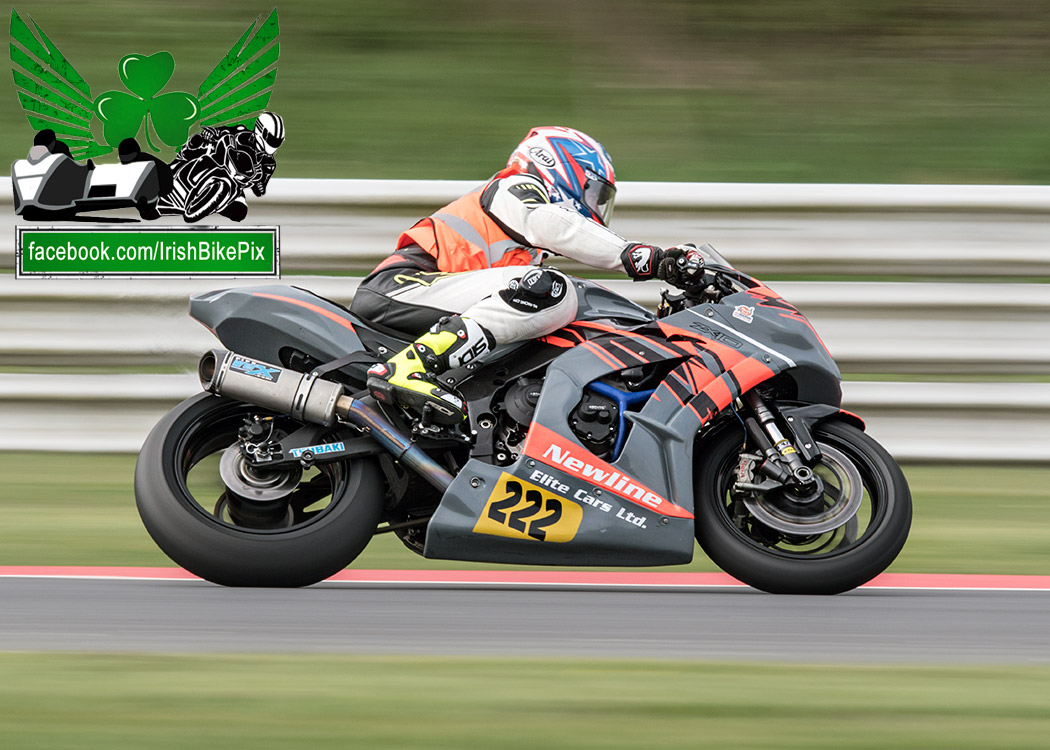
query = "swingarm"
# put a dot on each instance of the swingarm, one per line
(307, 446)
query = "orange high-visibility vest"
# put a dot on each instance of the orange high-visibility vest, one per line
(462, 237)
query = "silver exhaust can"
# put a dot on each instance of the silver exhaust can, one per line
(304, 396)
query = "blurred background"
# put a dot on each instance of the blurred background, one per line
(693, 90)
(938, 313)
(936, 309)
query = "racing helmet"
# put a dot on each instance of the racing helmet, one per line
(269, 131)
(575, 168)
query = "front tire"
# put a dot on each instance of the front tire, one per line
(191, 516)
(826, 561)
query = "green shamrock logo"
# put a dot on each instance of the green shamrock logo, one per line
(170, 114)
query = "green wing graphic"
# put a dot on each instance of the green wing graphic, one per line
(51, 91)
(239, 87)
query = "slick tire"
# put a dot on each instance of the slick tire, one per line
(222, 552)
(743, 549)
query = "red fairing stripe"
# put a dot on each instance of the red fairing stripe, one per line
(314, 308)
(858, 422)
(558, 341)
(549, 447)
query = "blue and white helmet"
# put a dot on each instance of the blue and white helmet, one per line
(575, 168)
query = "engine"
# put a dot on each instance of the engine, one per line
(594, 422)
(515, 415)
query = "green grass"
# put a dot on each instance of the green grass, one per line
(76, 509)
(260, 702)
(808, 91)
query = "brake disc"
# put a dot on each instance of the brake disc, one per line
(840, 476)
(254, 483)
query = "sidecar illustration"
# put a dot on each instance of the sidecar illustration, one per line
(50, 186)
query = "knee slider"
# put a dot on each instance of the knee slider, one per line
(539, 289)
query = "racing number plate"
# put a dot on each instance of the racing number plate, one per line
(522, 510)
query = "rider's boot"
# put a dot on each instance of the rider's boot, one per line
(409, 377)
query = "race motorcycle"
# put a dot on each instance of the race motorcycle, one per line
(615, 441)
(211, 183)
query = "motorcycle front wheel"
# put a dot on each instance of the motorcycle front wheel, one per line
(300, 529)
(210, 196)
(773, 542)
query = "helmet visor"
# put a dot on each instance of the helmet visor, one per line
(271, 140)
(598, 196)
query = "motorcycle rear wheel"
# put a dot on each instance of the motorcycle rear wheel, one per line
(195, 519)
(821, 563)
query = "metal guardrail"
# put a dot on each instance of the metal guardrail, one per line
(677, 195)
(972, 422)
(940, 232)
(889, 231)
(868, 326)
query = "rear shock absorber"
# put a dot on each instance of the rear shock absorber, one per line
(775, 444)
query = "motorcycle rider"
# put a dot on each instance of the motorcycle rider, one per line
(467, 271)
(249, 153)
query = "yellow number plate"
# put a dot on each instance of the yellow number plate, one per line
(522, 510)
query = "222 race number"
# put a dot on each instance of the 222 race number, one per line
(522, 510)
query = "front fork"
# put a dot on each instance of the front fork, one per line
(780, 460)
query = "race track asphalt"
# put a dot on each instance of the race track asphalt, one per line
(864, 626)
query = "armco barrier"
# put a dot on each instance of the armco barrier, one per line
(676, 195)
(971, 422)
(974, 233)
(868, 326)
(959, 232)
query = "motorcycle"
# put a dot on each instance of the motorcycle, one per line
(615, 441)
(211, 183)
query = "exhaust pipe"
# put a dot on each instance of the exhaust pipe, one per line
(358, 413)
(308, 398)
(304, 396)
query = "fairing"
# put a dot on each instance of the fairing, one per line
(260, 322)
(637, 509)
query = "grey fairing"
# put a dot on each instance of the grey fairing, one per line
(658, 452)
(595, 302)
(260, 321)
(815, 374)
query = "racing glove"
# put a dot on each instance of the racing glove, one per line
(680, 265)
(641, 262)
(675, 265)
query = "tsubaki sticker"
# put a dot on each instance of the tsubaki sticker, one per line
(522, 510)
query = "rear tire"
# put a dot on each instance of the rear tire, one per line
(828, 563)
(202, 536)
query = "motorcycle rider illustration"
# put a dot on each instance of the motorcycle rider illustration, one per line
(217, 164)
(464, 272)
